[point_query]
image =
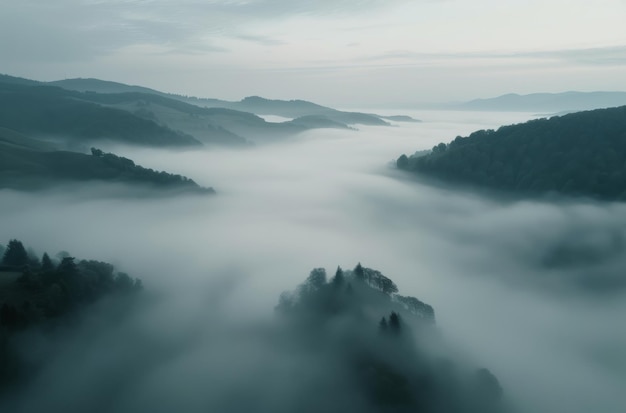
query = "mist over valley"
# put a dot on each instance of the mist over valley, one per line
(294, 206)
(203, 333)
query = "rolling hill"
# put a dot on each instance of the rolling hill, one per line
(252, 104)
(168, 119)
(58, 114)
(29, 164)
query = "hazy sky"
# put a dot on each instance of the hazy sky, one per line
(341, 52)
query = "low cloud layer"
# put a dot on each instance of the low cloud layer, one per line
(511, 281)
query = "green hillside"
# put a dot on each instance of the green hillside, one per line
(580, 154)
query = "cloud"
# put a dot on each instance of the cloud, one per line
(604, 56)
(77, 30)
(263, 40)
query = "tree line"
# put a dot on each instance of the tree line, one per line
(35, 290)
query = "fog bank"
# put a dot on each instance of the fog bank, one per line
(531, 289)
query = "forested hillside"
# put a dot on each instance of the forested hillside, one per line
(29, 164)
(374, 349)
(580, 154)
(44, 292)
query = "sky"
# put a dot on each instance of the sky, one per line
(350, 53)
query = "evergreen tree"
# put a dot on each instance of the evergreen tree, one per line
(46, 263)
(402, 162)
(339, 278)
(394, 322)
(15, 254)
(383, 326)
(359, 272)
(68, 266)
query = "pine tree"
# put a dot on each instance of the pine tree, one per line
(46, 263)
(338, 279)
(394, 322)
(359, 272)
(383, 326)
(15, 254)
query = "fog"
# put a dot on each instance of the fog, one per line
(533, 290)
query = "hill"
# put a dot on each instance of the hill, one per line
(18, 81)
(546, 102)
(28, 164)
(350, 343)
(56, 113)
(302, 108)
(252, 104)
(222, 124)
(101, 86)
(373, 348)
(579, 154)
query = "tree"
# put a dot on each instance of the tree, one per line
(68, 266)
(417, 307)
(402, 162)
(377, 280)
(15, 254)
(338, 279)
(359, 273)
(46, 263)
(383, 326)
(97, 152)
(439, 148)
(316, 279)
(394, 322)
(123, 282)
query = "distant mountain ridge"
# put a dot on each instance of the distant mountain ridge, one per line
(84, 110)
(101, 86)
(546, 102)
(253, 104)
